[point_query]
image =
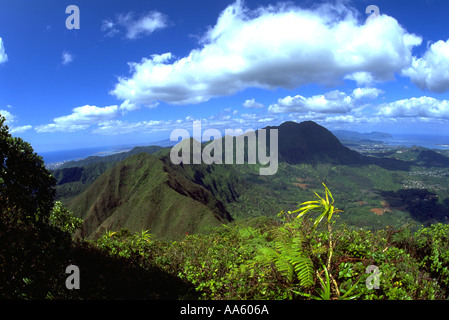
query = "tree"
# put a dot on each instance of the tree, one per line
(27, 188)
(34, 248)
(64, 219)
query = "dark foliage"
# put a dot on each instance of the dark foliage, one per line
(26, 187)
(422, 204)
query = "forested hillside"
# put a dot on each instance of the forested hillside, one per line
(375, 191)
(291, 240)
(143, 193)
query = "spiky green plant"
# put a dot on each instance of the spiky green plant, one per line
(144, 235)
(325, 208)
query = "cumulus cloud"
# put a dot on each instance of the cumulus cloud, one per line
(81, 118)
(271, 47)
(431, 71)
(66, 58)
(366, 93)
(361, 78)
(135, 27)
(422, 107)
(221, 121)
(11, 119)
(251, 103)
(331, 102)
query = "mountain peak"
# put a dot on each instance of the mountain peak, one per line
(309, 142)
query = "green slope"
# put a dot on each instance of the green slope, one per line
(308, 155)
(74, 177)
(141, 193)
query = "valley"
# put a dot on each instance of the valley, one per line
(375, 185)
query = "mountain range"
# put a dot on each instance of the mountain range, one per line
(358, 136)
(142, 189)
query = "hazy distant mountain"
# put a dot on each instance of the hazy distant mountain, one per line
(358, 136)
(143, 192)
(110, 158)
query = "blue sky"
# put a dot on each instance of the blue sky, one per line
(136, 70)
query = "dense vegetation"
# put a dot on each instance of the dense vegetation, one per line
(307, 251)
(391, 188)
(37, 247)
(288, 258)
(143, 192)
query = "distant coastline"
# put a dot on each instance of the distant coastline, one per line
(426, 141)
(54, 159)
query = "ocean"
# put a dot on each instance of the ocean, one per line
(426, 141)
(77, 154)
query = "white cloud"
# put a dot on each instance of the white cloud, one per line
(3, 56)
(221, 121)
(251, 103)
(331, 102)
(66, 58)
(361, 78)
(431, 72)
(81, 118)
(352, 119)
(127, 106)
(10, 118)
(135, 28)
(21, 129)
(115, 127)
(366, 93)
(276, 46)
(423, 107)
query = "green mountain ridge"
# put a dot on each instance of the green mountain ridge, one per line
(150, 192)
(113, 158)
(74, 177)
(142, 193)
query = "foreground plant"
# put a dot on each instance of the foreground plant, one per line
(325, 208)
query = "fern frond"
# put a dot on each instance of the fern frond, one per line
(304, 271)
